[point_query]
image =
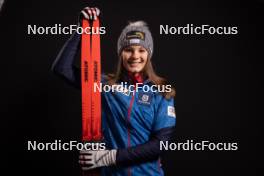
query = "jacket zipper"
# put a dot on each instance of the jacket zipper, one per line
(128, 129)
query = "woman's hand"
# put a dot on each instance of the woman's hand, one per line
(90, 13)
(90, 159)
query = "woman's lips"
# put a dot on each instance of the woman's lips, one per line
(134, 64)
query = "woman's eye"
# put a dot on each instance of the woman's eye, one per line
(142, 50)
(128, 50)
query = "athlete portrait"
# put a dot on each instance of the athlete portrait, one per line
(131, 88)
(133, 123)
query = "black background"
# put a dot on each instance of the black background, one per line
(217, 78)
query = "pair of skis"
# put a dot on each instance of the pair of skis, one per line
(90, 74)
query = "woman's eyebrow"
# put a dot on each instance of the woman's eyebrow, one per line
(141, 48)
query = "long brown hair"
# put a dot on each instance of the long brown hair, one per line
(148, 72)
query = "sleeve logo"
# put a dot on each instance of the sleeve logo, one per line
(171, 111)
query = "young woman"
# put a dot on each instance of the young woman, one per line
(134, 123)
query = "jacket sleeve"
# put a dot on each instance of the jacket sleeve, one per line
(63, 65)
(145, 152)
(163, 130)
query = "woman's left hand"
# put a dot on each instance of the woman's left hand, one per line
(90, 159)
(90, 13)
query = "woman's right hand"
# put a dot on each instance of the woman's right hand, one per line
(90, 13)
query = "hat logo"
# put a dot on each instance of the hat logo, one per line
(135, 34)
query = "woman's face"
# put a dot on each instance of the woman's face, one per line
(134, 58)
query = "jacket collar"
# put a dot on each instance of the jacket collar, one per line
(132, 79)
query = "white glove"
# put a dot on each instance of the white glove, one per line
(90, 159)
(90, 13)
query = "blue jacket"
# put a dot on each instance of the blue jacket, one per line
(133, 123)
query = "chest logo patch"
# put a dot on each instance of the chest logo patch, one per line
(144, 98)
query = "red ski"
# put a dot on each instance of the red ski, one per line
(90, 74)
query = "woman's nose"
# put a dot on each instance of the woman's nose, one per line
(135, 55)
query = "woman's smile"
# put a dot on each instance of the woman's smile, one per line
(134, 58)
